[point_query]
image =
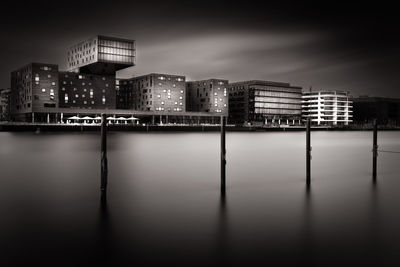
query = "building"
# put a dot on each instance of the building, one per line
(5, 104)
(264, 102)
(34, 90)
(153, 92)
(385, 110)
(327, 107)
(101, 55)
(207, 96)
(90, 91)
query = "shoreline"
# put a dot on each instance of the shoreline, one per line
(39, 127)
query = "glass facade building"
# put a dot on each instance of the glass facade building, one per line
(101, 55)
(264, 102)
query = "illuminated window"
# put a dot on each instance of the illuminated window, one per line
(84, 102)
(66, 98)
(158, 96)
(53, 83)
(49, 76)
(63, 88)
(83, 95)
(91, 93)
(179, 79)
(52, 92)
(180, 97)
(92, 102)
(181, 104)
(104, 99)
(162, 103)
(76, 96)
(181, 91)
(165, 90)
(43, 90)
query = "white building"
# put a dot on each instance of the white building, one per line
(327, 107)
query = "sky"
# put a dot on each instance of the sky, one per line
(329, 46)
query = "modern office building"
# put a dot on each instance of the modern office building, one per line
(5, 104)
(101, 55)
(207, 96)
(153, 92)
(88, 91)
(264, 102)
(327, 107)
(34, 90)
(385, 110)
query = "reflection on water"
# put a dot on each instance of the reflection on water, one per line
(164, 204)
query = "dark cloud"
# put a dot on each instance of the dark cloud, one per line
(332, 46)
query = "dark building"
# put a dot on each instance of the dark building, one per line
(89, 91)
(207, 96)
(264, 102)
(153, 92)
(34, 90)
(385, 110)
(5, 95)
(101, 55)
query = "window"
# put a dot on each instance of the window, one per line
(84, 89)
(180, 104)
(181, 91)
(159, 96)
(103, 99)
(92, 102)
(83, 96)
(63, 88)
(162, 103)
(76, 96)
(176, 103)
(180, 97)
(179, 79)
(91, 93)
(43, 90)
(66, 98)
(85, 102)
(53, 83)
(49, 76)
(80, 77)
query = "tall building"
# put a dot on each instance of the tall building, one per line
(327, 107)
(153, 92)
(207, 96)
(101, 55)
(81, 90)
(34, 90)
(5, 104)
(264, 102)
(385, 110)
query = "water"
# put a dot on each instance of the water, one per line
(164, 205)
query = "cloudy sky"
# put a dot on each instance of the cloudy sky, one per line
(352, 47)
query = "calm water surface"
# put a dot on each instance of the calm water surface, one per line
(164, 205)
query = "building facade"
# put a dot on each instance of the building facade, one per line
(153, 92)
(264, 102)
(207, 96)
(385, 110)
(5, 104)
(101, 55)
(327, 107)
(90, 91)
(34, 89)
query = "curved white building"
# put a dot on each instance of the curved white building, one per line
(327, 107)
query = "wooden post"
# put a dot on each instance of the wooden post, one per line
(223, 156)
(308, 153)
(374, 150)
(104, 167)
